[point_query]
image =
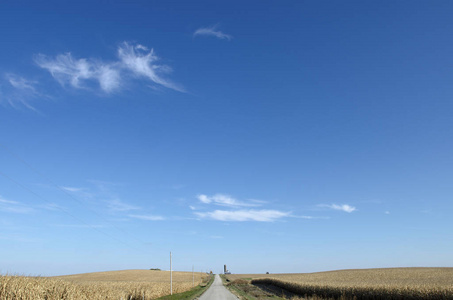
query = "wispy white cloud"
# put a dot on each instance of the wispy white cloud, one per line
(133, 59)
(141, 62)
(305, 217)
(78, 72)
(212, 31)
(80, 193)
(205, 199)
(81, 226)
(14, 207)
(226, 200)
(21, 83)
(117, 205)
(308, 217)
(147, 217)
(104, 198)
(65, 69)
(52, 207)
(109, 78)
(71, 189)
(244, 215)
(343, 207)
(239, 210)
(17, 90)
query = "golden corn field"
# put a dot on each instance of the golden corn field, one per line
(395, 283)
(130, 285)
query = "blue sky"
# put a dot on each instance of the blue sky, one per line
(269, 136)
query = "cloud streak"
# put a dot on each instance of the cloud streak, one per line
(67, 70)
(110, 202)
(236, 211)
(147, 217)
(264, 215)
(17, 89)
(211, 31)
(142, 63)
(117, 205)
(343, 207)
(71, 189)
(224, 200)
(21, 83)
(134, 61)
(308, 217)
(14, 207)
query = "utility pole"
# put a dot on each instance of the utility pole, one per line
(171, 277)
(193, 277)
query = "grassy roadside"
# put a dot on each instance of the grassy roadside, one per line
(192, 294)
(244, 290)
(235, 290)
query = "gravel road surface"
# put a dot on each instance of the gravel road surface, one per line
(217, 291)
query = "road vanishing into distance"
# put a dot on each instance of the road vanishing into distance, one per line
(217, 291)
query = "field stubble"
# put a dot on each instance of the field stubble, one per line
(130, 285)
(393, 283)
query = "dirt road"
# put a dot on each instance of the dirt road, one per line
(217, 291)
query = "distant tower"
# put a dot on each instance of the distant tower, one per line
(225, 270)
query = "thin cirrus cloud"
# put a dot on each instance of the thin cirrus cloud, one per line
(117, 205)
(343, 207)
(113, 205)
(225, 200)
(19, 90)
(71, 189)
(309, 217)
(239, 211)
(264, 215)
(212, 31)
(83, 193)
(147, 217)
(134, 61)
(142, 63)
(21, 83)
(14, 207)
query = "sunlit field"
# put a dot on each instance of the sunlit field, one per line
(130, 284)
(394, 283)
